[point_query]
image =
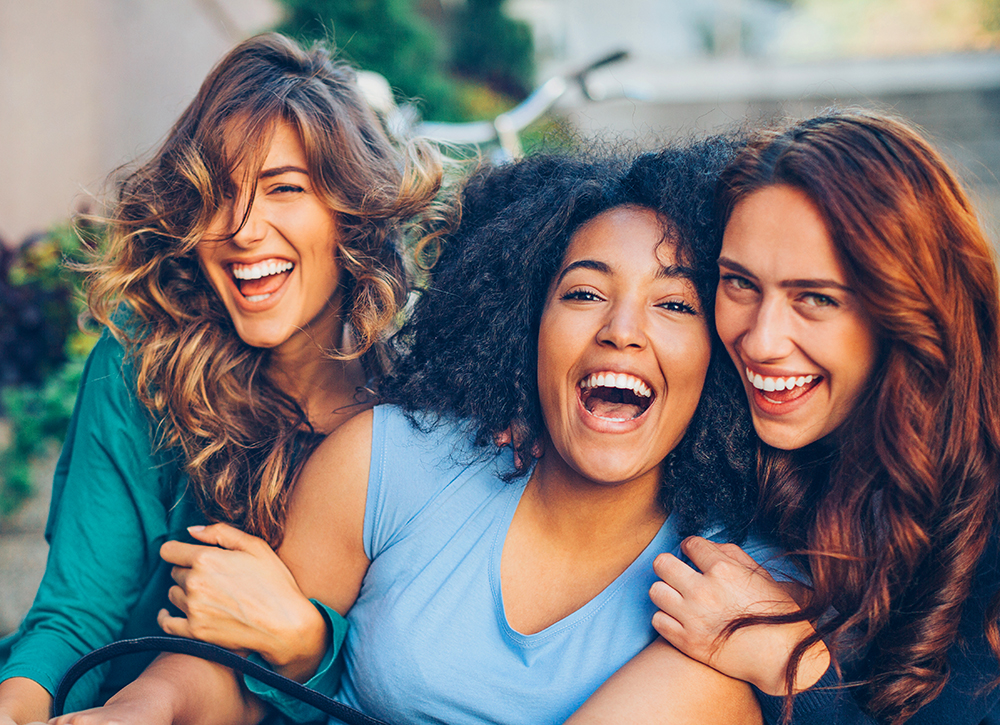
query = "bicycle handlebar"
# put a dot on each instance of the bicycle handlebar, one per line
(519, 117)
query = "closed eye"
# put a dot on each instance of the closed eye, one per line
(286, 189)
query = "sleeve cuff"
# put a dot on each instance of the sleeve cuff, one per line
(827, 697)
(326, 679)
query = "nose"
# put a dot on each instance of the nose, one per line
(768, 337)
(624, 327)
(248, 224)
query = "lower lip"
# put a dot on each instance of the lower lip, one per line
(263, 305)
(607, 425)
(771, 408)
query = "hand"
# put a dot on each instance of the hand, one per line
(238, 594)
(695, 608)
(506, 438)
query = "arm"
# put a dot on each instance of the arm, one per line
(324, 552)
(23, 701)
(661, 686)
(161, 697)
(111, 496)
(696, 606)
(664, 684)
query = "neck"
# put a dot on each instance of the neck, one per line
(325, 388)
(586, 514)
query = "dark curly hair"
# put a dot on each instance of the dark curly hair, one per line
(469, 351)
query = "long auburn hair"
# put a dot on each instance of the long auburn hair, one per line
(209, 393)
(893, 512)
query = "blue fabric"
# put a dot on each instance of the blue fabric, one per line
(429, 640)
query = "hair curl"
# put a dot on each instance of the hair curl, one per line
(208, 391)
(471, 343)
(894, 511)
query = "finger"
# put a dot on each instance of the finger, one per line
(227, 537)
(666, 598)
(675, 572)
(180, 575)
(737, 554)
(181, 554)
(703, 553)
(669, 628)
(178, 597)
(178, 626)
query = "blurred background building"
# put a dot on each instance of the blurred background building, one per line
(87, 85)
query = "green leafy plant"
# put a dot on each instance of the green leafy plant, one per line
(43, 351)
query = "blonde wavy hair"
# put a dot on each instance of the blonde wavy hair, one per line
(242, 438)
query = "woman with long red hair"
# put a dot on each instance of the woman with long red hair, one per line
(858, 300)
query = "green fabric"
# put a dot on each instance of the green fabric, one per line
(325, 680)
(114, 502)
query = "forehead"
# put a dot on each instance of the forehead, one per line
(628, 235)
(779, 232)
(249, 147)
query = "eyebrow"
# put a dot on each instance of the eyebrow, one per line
(804, 283)
(670, 271)
(279, 170)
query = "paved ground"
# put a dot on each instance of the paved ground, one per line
(23, 550)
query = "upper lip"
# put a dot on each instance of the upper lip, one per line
(256, 259)
(778, 373)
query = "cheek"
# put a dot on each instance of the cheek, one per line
(729, 320)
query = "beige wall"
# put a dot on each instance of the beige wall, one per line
(87, 85)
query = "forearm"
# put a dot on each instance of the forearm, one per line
(23, 701)
(662, 686)
(182, 690)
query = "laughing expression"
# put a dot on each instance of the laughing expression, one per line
(794, 328)
(278, 273)
(623, 349)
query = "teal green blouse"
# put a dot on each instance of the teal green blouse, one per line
(115, 500)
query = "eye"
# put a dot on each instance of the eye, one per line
(736, 282)
(814, 299)
(581, 295)
(678, 306)
(286, 189)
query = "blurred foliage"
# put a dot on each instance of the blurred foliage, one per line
(42, 349)
(493, 48)
(470, 64)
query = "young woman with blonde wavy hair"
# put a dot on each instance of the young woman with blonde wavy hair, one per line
(858, 299)
(252, 270)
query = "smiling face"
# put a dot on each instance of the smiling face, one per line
(797, 333)
(623, 349)
(278, 275)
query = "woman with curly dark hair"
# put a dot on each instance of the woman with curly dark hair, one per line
(858, 300)
(252, 269)
(569, 312)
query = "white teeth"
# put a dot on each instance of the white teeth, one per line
(771, 384)
(261, 269)
(617, 380)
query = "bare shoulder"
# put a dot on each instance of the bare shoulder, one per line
(323, 543)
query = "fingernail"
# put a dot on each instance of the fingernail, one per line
(196, 529)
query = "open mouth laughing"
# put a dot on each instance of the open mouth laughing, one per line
(780, 390)
(615, 396)
(258, 281)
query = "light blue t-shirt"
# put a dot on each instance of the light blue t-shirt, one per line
(429, 641)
